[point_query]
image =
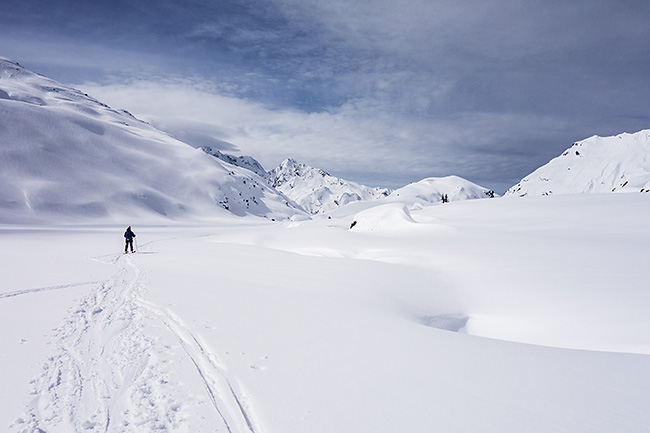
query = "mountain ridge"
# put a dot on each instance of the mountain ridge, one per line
(619, 163)
(66, 156)
(317, 191)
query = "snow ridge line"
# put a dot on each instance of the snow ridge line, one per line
(45, 289)
(102, 375)
(236, 415)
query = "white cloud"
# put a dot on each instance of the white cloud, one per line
(358, 139)
(340, 137)
(381, 91)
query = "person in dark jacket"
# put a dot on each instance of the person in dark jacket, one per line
(129, 236)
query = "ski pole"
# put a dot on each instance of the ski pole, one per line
(136, 243)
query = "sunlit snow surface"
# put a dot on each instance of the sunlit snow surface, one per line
(396, 315)
(594, 165)
(504, 315)
(65, 155)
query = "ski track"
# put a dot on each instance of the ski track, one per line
(231, 408)
(45, 289)
(106, 374)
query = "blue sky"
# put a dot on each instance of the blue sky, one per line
(381, 92)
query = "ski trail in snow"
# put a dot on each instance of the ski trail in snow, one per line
(232, 408)
(109, 371)
(45, 289)
(103, 368)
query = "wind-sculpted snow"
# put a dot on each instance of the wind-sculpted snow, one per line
(387, 217)
(66, 156)
(594, 165)
(393, 213)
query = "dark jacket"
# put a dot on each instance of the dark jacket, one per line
(129, 235)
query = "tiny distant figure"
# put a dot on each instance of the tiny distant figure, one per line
(129, 236)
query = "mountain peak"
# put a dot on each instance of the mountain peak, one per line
(288, 162)
(290, 167)
(317, 191)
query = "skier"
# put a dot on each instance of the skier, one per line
(128, 235)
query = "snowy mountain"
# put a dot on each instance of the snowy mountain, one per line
(393, 211)
(596, 164)
(65, 155)
(317, 191)
(432, 190)
(307, 187)
(247, 162)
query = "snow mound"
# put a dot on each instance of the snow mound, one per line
(432, 189)
(594, 165)
(411, 198)
(67, 156)
(386, 217)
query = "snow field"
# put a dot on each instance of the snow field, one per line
(342, 344)
(113, 365)
(250, 326)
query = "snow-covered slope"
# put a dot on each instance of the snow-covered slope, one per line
(65, 155)
(247, 162)
(597, 164)
(317, 191)
(395, 210)
(432, 190)
(495, 316)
